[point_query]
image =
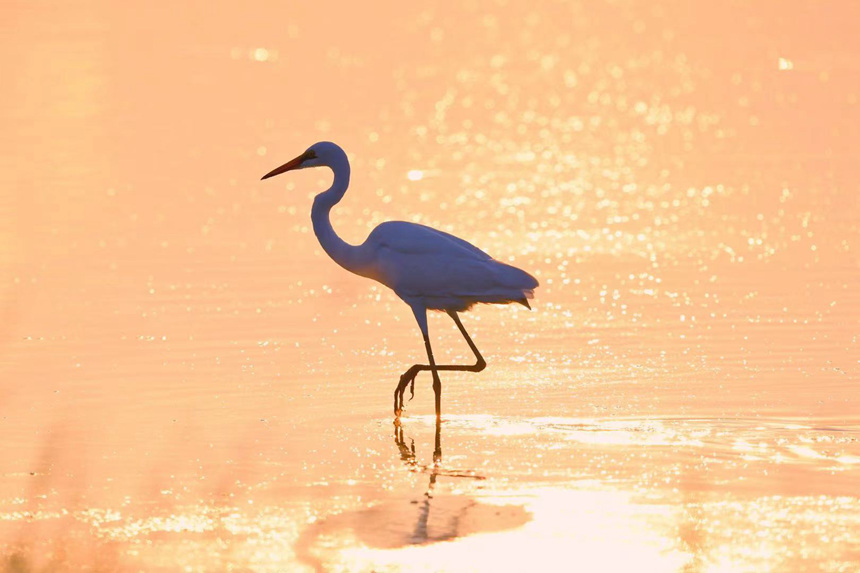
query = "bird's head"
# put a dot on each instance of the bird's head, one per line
(319, 154)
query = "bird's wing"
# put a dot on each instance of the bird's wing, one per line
(417, 261)
(414, 239)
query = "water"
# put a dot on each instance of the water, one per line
(187, 381)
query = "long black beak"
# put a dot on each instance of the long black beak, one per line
(288, 166)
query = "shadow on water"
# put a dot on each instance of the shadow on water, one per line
(404, 521)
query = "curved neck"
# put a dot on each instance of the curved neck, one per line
(340, 251)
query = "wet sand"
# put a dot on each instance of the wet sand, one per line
(187, 382)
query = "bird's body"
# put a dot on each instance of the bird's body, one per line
(427, 268)
(440, 271)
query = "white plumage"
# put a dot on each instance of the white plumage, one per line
(440, 271)
(425, 267)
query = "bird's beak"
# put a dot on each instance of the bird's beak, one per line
(289, 165)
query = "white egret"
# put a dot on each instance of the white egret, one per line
(428, 269)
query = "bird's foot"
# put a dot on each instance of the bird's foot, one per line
(398, 398)
(412, 388)
(407, 379)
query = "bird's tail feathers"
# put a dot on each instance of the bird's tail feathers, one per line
(512, 277)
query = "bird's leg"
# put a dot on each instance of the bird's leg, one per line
(409, 376)
(479, 364)
(420, 312)
(437, 383)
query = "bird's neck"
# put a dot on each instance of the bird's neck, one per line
(340, 251)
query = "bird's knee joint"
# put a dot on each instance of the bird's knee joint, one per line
(480, 365)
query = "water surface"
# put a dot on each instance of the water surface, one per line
(187, 381)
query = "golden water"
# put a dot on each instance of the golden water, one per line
(187, 382)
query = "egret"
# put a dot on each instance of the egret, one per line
(426, 268)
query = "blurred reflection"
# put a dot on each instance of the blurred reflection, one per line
(450, 515)
(402, 523)
(407, 453)
(691, 530)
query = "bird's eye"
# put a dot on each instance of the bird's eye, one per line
(310, 154)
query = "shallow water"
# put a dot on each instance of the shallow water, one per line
(187, 381)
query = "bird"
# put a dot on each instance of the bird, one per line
(427, 268)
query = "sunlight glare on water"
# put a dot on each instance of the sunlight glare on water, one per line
(188, 382)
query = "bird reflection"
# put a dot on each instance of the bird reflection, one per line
(409, 458)
(404, 521)
(445, 522)
(407, 453)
